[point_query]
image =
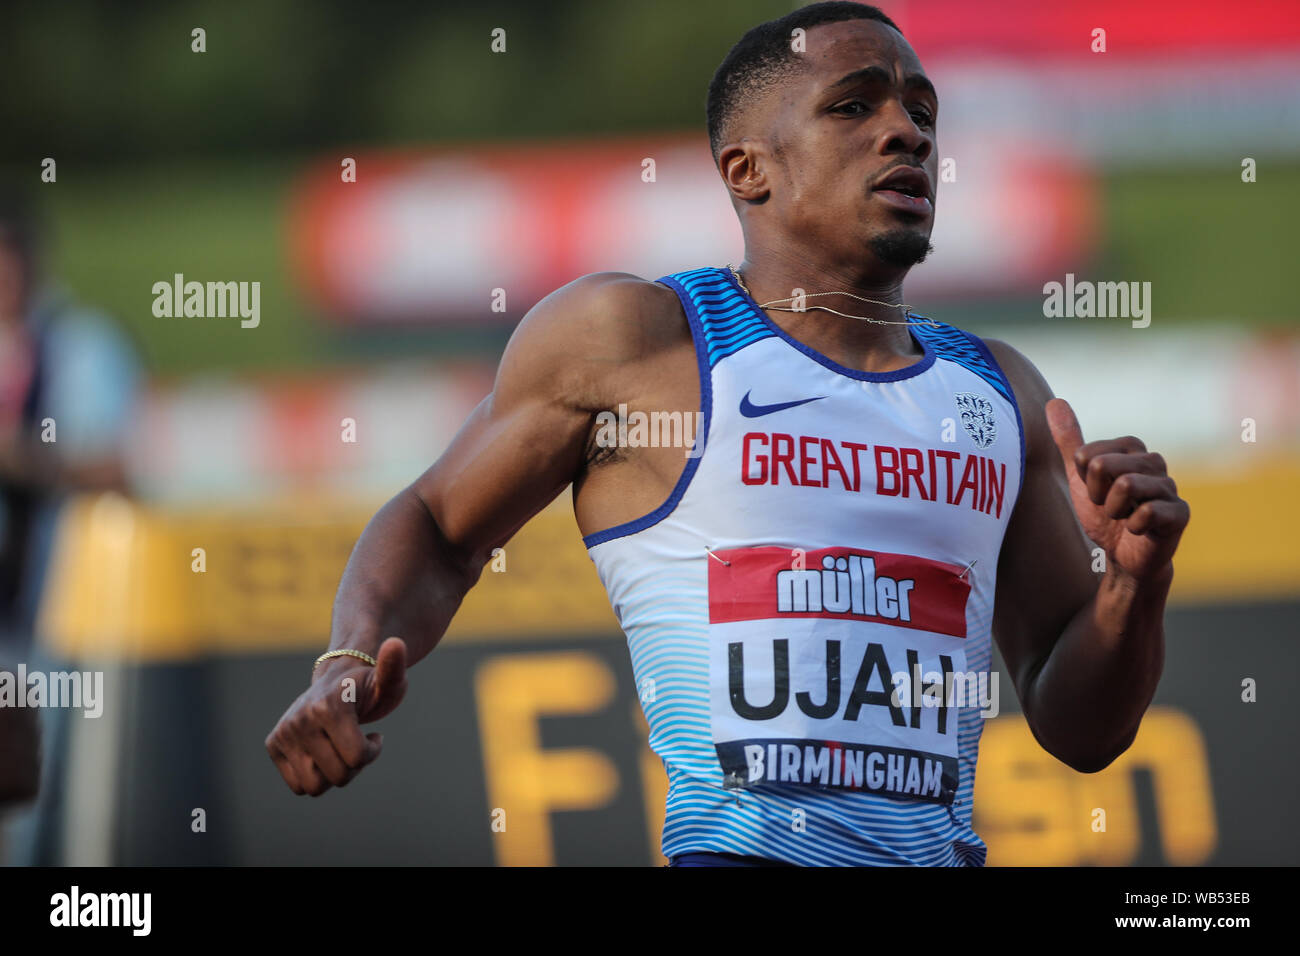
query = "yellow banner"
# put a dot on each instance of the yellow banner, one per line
(128, 579)
(125, 579)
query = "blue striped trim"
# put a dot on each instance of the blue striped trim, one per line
(726, 315)
(970, 352)
(1020, 425)
(898, 375)
(967, 351)
(694, 320)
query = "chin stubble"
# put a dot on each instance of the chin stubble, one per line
(901, 248)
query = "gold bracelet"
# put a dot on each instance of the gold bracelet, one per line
(344, 652)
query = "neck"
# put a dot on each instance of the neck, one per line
(853, 343)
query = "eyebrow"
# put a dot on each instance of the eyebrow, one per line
(877, 74)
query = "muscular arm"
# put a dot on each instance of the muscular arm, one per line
(422, 551)
(1085, 649)
(520, 448)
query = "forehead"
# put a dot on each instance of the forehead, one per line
(834, 49)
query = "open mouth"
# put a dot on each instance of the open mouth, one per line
(907, 180)
(915, 202)
(906, 188)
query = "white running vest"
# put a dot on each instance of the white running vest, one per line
(809, 613)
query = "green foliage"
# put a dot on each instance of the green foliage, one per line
(104, 84)
(173, 161)
(1212, 247)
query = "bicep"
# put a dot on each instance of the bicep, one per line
(524, 443)
(511, 458)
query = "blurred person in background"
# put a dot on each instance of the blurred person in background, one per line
(69, 381)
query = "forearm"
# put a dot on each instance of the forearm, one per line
(1088, 696)
(403, 579)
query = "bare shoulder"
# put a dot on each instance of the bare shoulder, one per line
(593, 328)
(1031, 390)
(604, 316)
(1023, 374)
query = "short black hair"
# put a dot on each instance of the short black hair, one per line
(763, 57)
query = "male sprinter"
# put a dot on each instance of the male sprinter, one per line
(874, 496)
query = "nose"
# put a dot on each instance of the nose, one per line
(899, 134)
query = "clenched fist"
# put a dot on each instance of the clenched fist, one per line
(1125, 499)
(318, 743)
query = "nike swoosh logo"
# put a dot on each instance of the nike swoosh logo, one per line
(750, 410)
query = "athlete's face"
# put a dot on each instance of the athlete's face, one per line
(858, 121)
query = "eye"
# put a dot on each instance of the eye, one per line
(847, 108)
(923, 118)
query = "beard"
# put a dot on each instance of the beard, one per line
(901, 247)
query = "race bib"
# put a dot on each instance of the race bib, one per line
(837, 668)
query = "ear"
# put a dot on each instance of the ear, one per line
(744, 167)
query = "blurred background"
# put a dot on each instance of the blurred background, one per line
(404, 183)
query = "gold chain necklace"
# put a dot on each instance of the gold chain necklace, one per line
(862, 318)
